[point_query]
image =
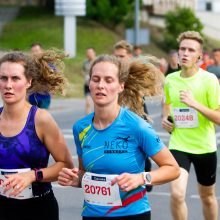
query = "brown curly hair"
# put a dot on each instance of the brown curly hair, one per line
(140, 77)
(45, 69)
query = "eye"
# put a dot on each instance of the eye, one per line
(15, 78)
(3, 78)
(109, 80)
(95, 79)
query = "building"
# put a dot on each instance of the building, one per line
(160, 7)
(208, 11)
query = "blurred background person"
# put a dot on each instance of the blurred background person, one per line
(123, 50)
(137, 51)
(90, 56)
(41, 100)
(206, 61)
(215, 67)
(173, 62)
(163, 65)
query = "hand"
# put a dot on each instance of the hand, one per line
(69, 177)
(187, 98)
(167, 125)
(128, 181)
(18, 182)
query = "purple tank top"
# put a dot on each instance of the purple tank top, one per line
(25, 150)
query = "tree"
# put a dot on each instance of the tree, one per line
(109, 12)
(178, 21)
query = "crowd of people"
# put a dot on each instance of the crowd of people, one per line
(115, 140)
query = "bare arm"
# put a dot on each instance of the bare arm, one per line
(50, 135)
(71, 177)
(53, 139)
(168, 170)
(213, 115)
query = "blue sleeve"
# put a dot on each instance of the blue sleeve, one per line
(76, 140)
(148, 140)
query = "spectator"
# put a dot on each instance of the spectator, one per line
(206, 61)
(215, 67)
(137, 51)
(173, 64)
(90, 56)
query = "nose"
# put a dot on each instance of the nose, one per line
(101, 84)
(8, 84)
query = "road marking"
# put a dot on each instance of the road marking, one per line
(166, 194)
(67, 131)
(68, 136)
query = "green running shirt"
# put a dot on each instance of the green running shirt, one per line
(206, 90)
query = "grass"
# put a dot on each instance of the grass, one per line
(34, 24)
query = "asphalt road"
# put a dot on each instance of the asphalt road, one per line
(66, 112)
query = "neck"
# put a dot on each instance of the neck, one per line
(105, 116)
(188, 72)
(15, 111)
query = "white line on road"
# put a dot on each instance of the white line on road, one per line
(193, 196)
(68, 136)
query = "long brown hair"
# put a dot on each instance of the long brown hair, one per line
(140, 77)
(45, 69)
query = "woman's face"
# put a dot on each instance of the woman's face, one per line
(13, 83)
(104, 84)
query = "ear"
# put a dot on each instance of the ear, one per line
(29, 82)
(121, 87)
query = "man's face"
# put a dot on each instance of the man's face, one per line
(189, 53)
(36, 49)
(122, 53)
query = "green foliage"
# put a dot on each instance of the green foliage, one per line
(109, 12)
(35, 24)
(178, 21)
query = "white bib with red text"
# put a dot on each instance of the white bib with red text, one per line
(185, 117)
(25, 194)
(98, 190)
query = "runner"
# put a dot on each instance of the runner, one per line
(113, 143)
(192, 99)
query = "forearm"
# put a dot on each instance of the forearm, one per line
(166, 110)
(51, 173)
(164, 174)
(212, 115)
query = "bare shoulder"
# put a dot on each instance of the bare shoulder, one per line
(43, 118)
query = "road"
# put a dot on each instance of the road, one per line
(66, 112)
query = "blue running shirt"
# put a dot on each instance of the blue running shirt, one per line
(121, 147)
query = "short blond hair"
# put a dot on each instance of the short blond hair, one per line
(123, 44)
(193, 35)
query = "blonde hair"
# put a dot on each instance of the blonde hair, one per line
(140, 79)
(44, 69)
(193, 35)
(124, 45)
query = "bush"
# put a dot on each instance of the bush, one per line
(109, 12)
(178, 21)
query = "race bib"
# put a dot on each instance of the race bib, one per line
(25, 194)
(185, 117)
(97, 190)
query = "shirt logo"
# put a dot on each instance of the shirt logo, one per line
(118, 145)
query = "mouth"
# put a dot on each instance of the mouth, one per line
(184, 60)
(8, 94)
(100, 94)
